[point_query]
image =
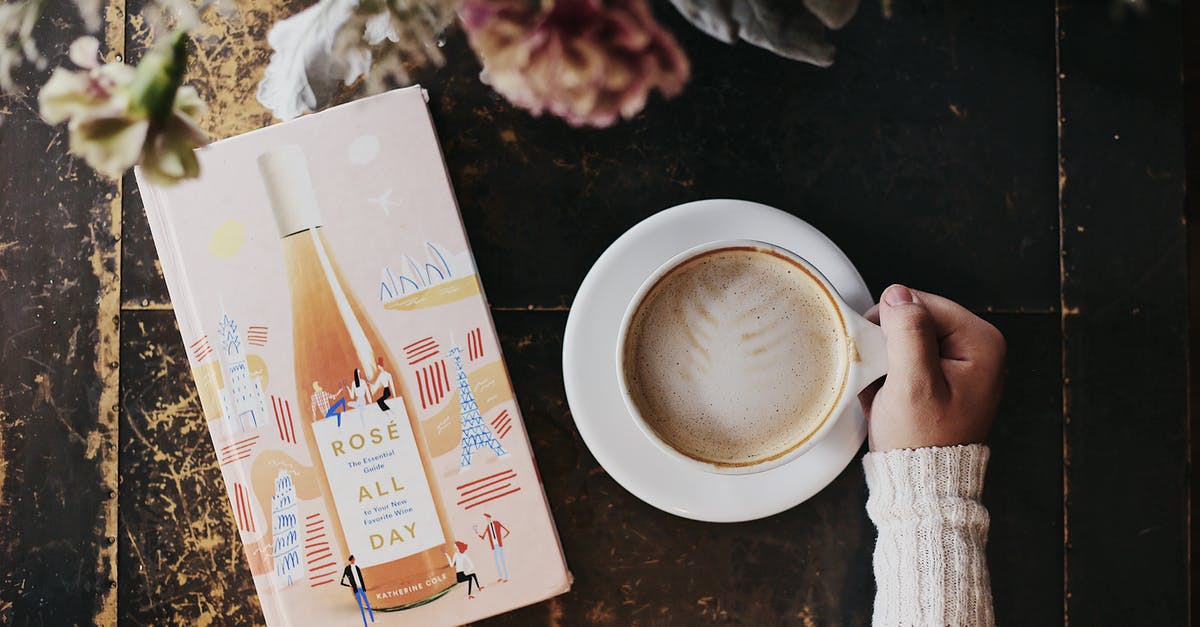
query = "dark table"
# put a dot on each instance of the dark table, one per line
(1024, 158)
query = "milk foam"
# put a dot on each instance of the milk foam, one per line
(736, 356)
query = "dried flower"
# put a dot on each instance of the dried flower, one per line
(337, 42)
(17, 46)
(16, 39)
(119, 116)
(401, 35)
(589, 62)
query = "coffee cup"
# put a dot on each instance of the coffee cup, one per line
(738, 356)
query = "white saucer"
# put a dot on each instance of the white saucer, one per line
(590, 371)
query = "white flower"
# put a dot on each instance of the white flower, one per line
(307, 66)
(337, 42)
(118, 116)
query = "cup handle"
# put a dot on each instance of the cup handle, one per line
(868, 352)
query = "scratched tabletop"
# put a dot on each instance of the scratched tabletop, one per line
(1024, 158)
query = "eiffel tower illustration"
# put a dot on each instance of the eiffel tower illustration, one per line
(475, 432)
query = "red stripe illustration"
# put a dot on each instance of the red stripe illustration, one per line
(477, 481)
(241, 501)
(445, 379)
(317, 559)
(487, 489)
(291, 425)
(249, 512)
(201, 348)
(278, 418)
(424, 346)
(237, 505)
(434, 393)
(256, 335)
(491, 484)
(240, 444)
(478, 503)
(421, 350)
(423, 340)
(416, 359)
(502, 486)
(421, 390)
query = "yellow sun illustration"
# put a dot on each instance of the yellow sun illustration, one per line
(227, 239)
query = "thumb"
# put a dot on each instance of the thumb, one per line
(912, 344)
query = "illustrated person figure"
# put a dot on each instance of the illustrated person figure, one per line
(322, 401)
(926, 424)
(359, 395)
(495, 533)
(383, 385)
(464, 567)
(354, 574)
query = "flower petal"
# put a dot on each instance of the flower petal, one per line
(170, 155)
(590, 62)
(85, 52)
(110, 145)
(65, 94)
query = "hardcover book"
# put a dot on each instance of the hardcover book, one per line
(374, 455)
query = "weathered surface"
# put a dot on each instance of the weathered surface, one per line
(1124, 297)
(928, 152)
(59, 277)
(181, 560)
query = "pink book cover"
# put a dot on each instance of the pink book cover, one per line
(373, 452)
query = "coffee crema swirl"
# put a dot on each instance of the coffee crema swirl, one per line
(736, 356)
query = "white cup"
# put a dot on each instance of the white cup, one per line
(864, 363)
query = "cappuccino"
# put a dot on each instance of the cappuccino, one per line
(736, 356)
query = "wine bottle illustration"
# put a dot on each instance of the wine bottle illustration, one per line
(359, 424)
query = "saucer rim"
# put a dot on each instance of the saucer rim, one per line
(843, 441)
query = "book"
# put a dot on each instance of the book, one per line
(375, 458)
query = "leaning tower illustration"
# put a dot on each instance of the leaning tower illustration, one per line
(285, 531)
(475, 432)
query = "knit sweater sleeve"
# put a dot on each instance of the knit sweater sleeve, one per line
(930, 564)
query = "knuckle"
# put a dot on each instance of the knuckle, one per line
(995, 342)
(911, 319)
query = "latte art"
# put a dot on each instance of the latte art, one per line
(736, 356)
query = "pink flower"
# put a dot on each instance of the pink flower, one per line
(589, 62)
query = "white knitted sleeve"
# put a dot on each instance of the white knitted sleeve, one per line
(930, 565)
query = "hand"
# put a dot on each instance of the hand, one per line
(945, 369)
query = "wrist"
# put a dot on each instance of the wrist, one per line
(904, 475)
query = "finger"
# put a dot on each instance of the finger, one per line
(872, 314)
(866, 398)
(962, 335)
(914, 360)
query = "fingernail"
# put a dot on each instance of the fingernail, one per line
(897, 295)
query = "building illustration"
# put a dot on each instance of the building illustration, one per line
(285, 532)
(475, 432)
(242, 400)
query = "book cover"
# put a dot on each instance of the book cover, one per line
(374, 454)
